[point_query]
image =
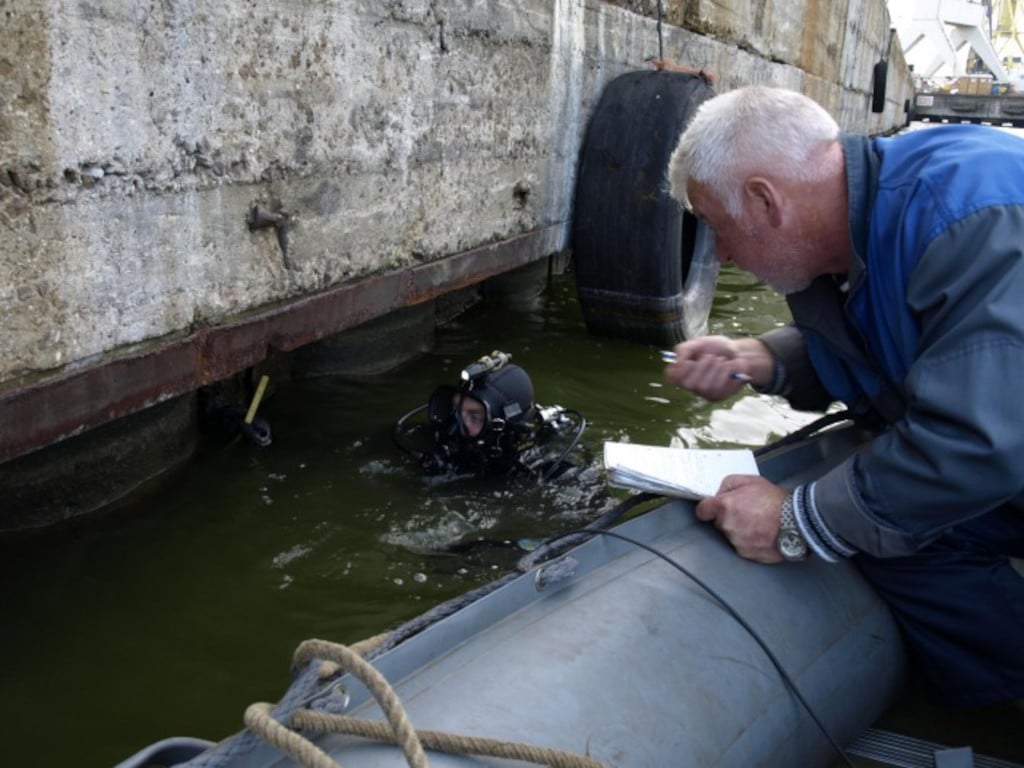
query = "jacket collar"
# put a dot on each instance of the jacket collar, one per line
(862, 168)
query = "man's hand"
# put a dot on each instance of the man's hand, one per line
(746, 510)
(715, 367)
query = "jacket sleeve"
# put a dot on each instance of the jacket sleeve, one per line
(959, 449)
(794, 378)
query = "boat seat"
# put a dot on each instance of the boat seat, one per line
(886, 748)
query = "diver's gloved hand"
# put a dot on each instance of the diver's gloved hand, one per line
(256, 432)
(430, 464)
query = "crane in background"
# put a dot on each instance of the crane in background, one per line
(1007, 22)
(945, 34)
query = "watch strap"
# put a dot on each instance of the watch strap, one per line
(790, 543)
(787, 517)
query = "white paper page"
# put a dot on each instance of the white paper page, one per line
(699, 471)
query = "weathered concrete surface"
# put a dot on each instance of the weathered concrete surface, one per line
(136, 137)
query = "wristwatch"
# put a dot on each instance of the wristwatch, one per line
(789, 543)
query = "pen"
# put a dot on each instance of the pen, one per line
(668, 356)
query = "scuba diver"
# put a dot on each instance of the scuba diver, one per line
(489, 425)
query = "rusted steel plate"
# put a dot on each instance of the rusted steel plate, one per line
(58, 407)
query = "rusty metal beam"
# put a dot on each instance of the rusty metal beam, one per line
(57, 407)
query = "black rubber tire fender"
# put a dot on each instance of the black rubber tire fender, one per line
(879, 78)
(632, 243)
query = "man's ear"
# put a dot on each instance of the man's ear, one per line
(764, 198)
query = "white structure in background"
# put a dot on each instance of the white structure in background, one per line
(937, 36)
(1007, 20)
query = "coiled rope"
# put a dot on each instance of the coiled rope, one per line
(322, 722)
(298, 747)
(398, 729)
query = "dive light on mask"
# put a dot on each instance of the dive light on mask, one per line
(492, 362)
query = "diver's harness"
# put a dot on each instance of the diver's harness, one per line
(513, 440)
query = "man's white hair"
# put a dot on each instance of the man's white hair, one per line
(751, 130)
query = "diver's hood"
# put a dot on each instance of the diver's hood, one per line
(507, 394)
(441, 405)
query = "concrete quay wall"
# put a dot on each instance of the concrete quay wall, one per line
(169, 169)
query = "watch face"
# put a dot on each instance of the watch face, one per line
(791, 546)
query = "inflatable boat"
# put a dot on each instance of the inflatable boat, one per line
(645, 643)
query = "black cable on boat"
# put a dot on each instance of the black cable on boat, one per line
(549, 549)
(806, 431)
(735, 615)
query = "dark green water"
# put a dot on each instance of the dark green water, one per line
(170, 614)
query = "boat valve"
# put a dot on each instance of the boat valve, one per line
(555, 572)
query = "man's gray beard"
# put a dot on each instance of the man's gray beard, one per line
(790, 278)
(786, 288)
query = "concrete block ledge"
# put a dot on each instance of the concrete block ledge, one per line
(53, 408)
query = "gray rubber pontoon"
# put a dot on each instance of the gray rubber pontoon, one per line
(610, 651)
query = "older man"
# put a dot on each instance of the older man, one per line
(902, 261)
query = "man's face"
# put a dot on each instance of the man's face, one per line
(752, 242)
(473, 415)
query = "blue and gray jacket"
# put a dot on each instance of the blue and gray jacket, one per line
(926, 331)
